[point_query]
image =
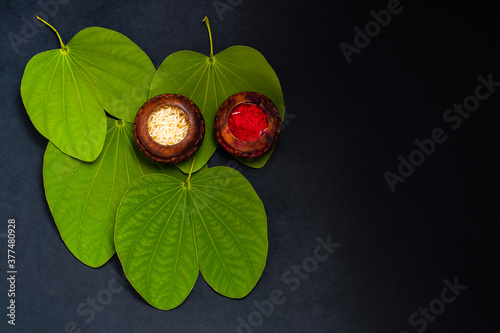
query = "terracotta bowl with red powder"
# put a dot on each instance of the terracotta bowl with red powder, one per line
(247, 124)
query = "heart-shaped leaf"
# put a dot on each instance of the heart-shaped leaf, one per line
(167, 230)
(208, 81)
(84, 197)
(65, 90)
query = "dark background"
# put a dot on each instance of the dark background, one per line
(347, 124)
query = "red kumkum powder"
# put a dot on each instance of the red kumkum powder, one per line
(247, 122)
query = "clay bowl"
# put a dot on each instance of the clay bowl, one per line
(169, 153)
(243, 148)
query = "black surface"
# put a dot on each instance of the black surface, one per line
(347, 124)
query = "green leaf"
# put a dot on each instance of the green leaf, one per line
(62, 107)
(84, 197)
(65, 90)
(230, 225)
(167, 230)
(208, 81)
(117, 71)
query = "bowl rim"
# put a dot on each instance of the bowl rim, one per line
(169, 153)
(247, 149)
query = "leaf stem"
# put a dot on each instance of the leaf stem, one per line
(63, 47)
(190, 171)
(207, 23)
